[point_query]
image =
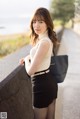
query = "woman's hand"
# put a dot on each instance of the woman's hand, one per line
(25, 59)
(21, 61)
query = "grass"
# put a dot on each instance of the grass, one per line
(68, 24)
(10, 45)
(57, 24)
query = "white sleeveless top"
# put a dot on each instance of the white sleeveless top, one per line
(47, 58)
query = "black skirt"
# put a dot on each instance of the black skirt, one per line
(44, 90)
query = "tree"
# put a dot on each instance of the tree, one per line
(62, 10)
(77, 9)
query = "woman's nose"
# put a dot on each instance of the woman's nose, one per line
(37, 24)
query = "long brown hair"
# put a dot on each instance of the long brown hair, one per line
(43, 14)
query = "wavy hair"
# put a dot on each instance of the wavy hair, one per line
(43, 14)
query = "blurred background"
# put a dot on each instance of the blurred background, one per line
(15, 20)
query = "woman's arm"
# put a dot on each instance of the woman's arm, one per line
(38, 57)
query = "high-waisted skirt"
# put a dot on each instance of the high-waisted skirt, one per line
(44, 90)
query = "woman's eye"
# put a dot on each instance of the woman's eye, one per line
(40, 21)
(34, 21)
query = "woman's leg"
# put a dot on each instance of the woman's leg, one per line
(40, 113)
(51, 110)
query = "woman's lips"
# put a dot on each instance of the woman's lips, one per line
(37, 30)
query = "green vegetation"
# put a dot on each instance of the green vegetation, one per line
(10, 45)
(57, 24)
(62, 10)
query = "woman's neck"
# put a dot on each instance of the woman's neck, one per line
(43, 35)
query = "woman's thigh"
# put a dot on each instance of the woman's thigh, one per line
(51, 110)
(40, 113)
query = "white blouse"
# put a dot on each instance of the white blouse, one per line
(47, 58)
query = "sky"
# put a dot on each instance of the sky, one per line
(21, 8)
(15, 15)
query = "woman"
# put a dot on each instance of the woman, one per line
(44, 87)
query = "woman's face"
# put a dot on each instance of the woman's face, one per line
(39, 26)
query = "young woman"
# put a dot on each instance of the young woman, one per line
(44, 87)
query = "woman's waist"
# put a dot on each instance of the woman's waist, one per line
(41, 72)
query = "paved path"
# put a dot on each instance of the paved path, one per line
(11, 62)
(68, 102)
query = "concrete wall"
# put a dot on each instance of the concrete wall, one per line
(15, 89)
(15, 95)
